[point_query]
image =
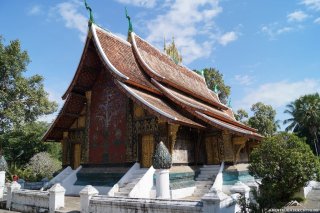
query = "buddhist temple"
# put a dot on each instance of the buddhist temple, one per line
(127, 96)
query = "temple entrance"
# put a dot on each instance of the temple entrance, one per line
(76, 155)
(147, 147)
(212, 150)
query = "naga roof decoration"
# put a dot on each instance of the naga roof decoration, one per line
(148, 77)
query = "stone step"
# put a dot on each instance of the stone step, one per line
(139, 172)
(212, 166)
(204, 179)
(204, 187)
(198, 183)
(199, 194)
(125, 189)
(121, 194)
(135, 176)
(205, 175)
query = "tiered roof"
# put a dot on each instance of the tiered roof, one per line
(151, 79)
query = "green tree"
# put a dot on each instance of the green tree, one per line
(20, 144)
(285, 163)
(305, 118)
(263, 119)
(22, 99)
(241, 115)
(214, 79)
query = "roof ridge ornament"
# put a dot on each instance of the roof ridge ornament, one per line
(229, 103)
(130, 29)
(91, 19)
(216, 88)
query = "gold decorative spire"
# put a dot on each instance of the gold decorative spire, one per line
(172, 51)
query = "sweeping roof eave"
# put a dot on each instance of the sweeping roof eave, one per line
(192, 105)
(160, 67)
(69, 112)
(157, 106)
(229, 127)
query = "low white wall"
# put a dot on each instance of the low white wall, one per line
(136, 205)
(123, 180)
(143, 188)
(24, 200)
(30, 201)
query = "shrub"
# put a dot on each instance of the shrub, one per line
(285, 163)
(42, 165)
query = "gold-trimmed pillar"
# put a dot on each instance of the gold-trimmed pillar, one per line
(65, 149)
(228, 147)
(85, 145)
(173, 130)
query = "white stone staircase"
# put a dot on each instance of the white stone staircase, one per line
(59, 178)
(128, 185)
(205, 179)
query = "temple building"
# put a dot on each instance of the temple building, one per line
(126, 96)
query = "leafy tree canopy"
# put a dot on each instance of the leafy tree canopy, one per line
(20, 144)
(215, 79)
(22, 99)
(305, 118)
(285, 163)
(263, 119)
(241, 115)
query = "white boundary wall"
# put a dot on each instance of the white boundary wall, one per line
(33, 200)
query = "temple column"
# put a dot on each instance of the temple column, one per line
(228, 147)
(162, 134)
(173, 130)
(239, 143)
(65, 151)
(85, 145)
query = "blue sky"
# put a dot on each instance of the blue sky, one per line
(267, 50)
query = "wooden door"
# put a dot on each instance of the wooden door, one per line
(76, 155)
(212, 150)
(147, 146)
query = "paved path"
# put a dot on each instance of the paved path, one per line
(71, 205)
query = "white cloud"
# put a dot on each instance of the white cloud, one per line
(312, 4)
(273, 30)
(278, 94)
(243, 79)
(186, 20)
(139, 3)
(227, 38)
(298, 16)
(317, 20)
(69, 12)
(35, 10)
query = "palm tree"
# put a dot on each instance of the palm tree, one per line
(305, 115)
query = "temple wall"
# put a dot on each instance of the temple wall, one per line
(108, 122)
(184, 148)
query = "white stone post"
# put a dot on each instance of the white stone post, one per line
(85, 195)
(2, 182)
(56, 197)
(14, 186)
(163, 184)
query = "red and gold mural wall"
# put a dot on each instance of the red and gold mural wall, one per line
(107, 132)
